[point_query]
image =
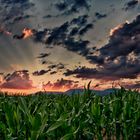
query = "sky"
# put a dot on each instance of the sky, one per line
(64, 44)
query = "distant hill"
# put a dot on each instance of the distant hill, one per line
(98, 92)
(74, 91)
(106, 92)
(50, 92)
(81, 91)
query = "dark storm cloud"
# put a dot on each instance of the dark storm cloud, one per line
(63, 32)
(108, 73)
(20, 18)
(86, 28)
(131, 4)
(66, 35)
(58, 34)
(25, 3)
(86, 73)
(95, 59)
(54, 36)
(80, 20)
(61, 84)
(72, 6)
(17, 80)
(124, 41)
(82, 25)
(120, 58)
(79, 46)
(40, 73)
(74, 31)
(81, 72)
(40, 36)
(13, 10)
(100, 16)
(61, 6)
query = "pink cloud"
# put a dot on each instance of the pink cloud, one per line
(17, 80)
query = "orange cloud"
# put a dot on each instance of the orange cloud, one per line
(112, 31)
(2, 30)
(26, 33)
(60, 85)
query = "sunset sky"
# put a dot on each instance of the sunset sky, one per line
(58, 45)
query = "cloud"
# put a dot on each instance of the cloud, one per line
(81, 72)
(131, 4)
(95, 59)
(40, 36)
(61, 84)
(51, 68)
(79, 46)
(17, 80)
(118, 59)
(61, 6)
(80, 20)
(48, 16)
(73, 6)
(100, 16)
(58, 34)
(91, 73)
(43, 55)
(81, 27)
(108, 72)
(26, 33)
(124, 40)
(132, 86)
(4, 31)
(13, 10)
(25, 4)
(20, 18)
(53, 72)
(68, 35)
(74, 31)
(40, 73)
(44, 62)
(1, 78)
(86, 28)
(58, 66)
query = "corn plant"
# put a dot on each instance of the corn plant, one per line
(83, 116)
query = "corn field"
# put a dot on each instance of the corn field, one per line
(71, 117)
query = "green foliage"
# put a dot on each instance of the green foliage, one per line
(71, 117)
